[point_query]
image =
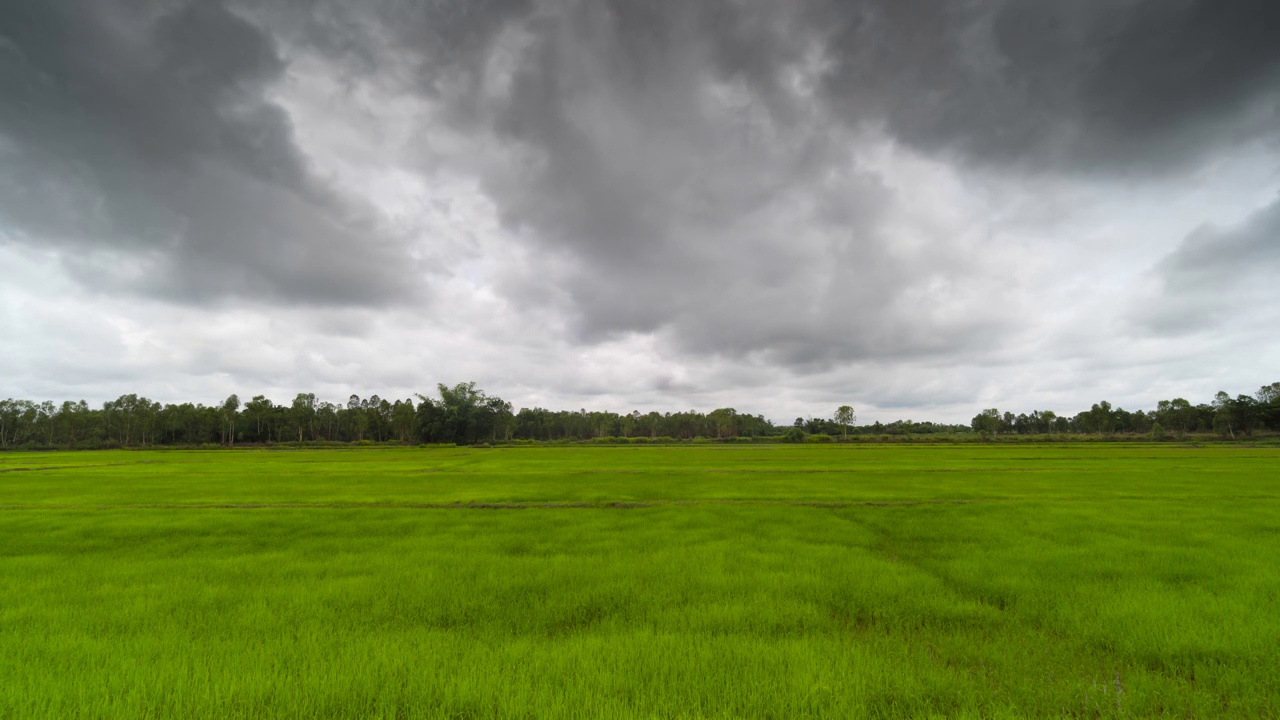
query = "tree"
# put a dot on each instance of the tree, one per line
(1177, 415)
(8, 419)
(357, 416)
(47, 419)
(127, 414)
(229, 408)
(1268, 397)
(1268, 394)
(1102, 418)
(499, 417)
(845, 417)
(404, 420)
(724, 421)
(303, 413)
(1234, 415)
(459, 404)
(987, 422)
(259, 411)
(72, 419)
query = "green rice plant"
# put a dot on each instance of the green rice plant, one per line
(1098, 580)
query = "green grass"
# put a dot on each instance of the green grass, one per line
(712, 581)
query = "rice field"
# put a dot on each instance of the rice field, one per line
(772, 581)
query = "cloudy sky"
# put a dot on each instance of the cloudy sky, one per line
(919, 208)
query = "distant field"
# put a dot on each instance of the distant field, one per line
(777, 581)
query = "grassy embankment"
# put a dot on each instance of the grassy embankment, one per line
(711, 581)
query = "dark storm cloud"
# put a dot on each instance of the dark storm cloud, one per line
(759, 180)
(1097, 85)
(1135, 85)
(680, 171)
(141, 137)
(702, 169)
(693, 216)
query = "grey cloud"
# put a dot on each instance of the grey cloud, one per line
(1096, 85)
(1214, 259)
(697, 171)
(143, 136)
(680, 175)
(1093, 86)
(759, 185)
(1215, 273)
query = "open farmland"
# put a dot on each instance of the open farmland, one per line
(1090, 580)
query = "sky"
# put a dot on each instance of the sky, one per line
(921, 209)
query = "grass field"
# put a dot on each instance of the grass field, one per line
(715, 581)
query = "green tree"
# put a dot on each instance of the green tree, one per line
(230, 411)
(724, 421)
(987, 422)
(1234, 415)
(844, 418)
(47, 420)
(404, 420)
(1268, 397)
(357, 416)
(1102, 418)
(259, 411)
(303, 413)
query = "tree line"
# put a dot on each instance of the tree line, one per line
(460, 414)
(465, 414)
(1226, 416)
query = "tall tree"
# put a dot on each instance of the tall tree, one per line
(844, 418)
(230, 408)
(303, 413)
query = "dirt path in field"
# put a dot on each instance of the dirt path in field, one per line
(75, 467)
(551, 505)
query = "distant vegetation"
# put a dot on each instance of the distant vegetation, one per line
(465, 414)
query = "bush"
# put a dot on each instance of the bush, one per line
(820, 438)
(639, 440)
(1157, 431)
(794, 435)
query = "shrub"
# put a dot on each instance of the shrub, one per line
(819, 438)
(794, 435)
